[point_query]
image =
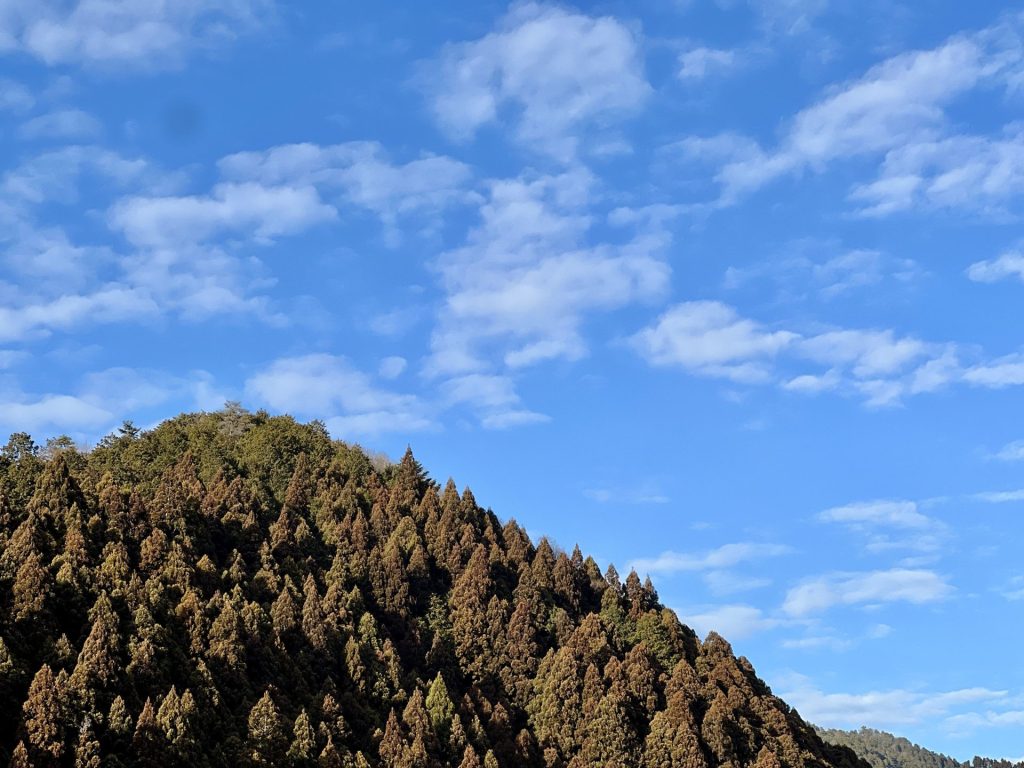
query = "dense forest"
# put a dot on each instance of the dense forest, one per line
(236, 589)
(883, 750)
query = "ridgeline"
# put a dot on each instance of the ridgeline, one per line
(883, 750)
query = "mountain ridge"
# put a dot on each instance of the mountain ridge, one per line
(885, 750)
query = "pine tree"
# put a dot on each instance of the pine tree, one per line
(440, 709)
(43, 719)
(87, 751)
(267, 741)
(302, 752)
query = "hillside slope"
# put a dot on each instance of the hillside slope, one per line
(238, 589)
(883, 750)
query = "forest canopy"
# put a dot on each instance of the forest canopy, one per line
(235, 588)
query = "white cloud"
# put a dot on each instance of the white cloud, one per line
(54, 176)
(139, 32)
(391, 367)
(362, 174)
(522, 285)
(889, 524)
(494, 399)
(896, 110)
(52, 413)
(1012, 451)
(329, 388)
(108, 304)
(710, 338)
(735, 622)
(560, 71)
(699, 63)
(1000, 497)
(974, 173)
(726, 556)
(885, 709)
(265, 212)
(1008, 265)
(897, 514)
(867, 353)
(999, 373)
(873, 587)
(70, 124)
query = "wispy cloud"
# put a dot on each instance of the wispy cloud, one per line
(889, 524)
(1000, 497)
(908, 585)
(886, 709)
(725, 556)
(1011, 451)
(897, 111)
(1008, 265)
(735, 621)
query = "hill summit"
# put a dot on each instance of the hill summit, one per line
(237, 589)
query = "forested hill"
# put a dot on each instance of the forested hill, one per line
(235, 589)
(883, 750)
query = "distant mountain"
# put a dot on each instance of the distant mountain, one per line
(883, 750)
(236, 589)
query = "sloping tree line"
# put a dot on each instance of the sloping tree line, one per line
(233, 589)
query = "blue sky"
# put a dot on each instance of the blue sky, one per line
(729, 291)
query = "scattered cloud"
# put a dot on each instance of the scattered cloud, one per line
(248, 208)
(359, 174)
(1002, 372)
(711, 339)
(142, 33)
(735, 622)
(493, 398)
(889, 524)
(1011, 451)
(725, 556)
(898, 111)
(52, 413)
(885, 709)
(329, 388)
(67, 124)
(391, 367)
(1014, 589)
(559, 72)
(525, 279)
(1000, 497)
(866, 588)
(699, 63)
(808, 269)
(1007, 266)
(105, 397)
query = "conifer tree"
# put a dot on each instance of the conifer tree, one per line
(302, 751)
(43, 719)
(267, 739)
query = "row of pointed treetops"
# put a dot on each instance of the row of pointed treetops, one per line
(236, 589)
